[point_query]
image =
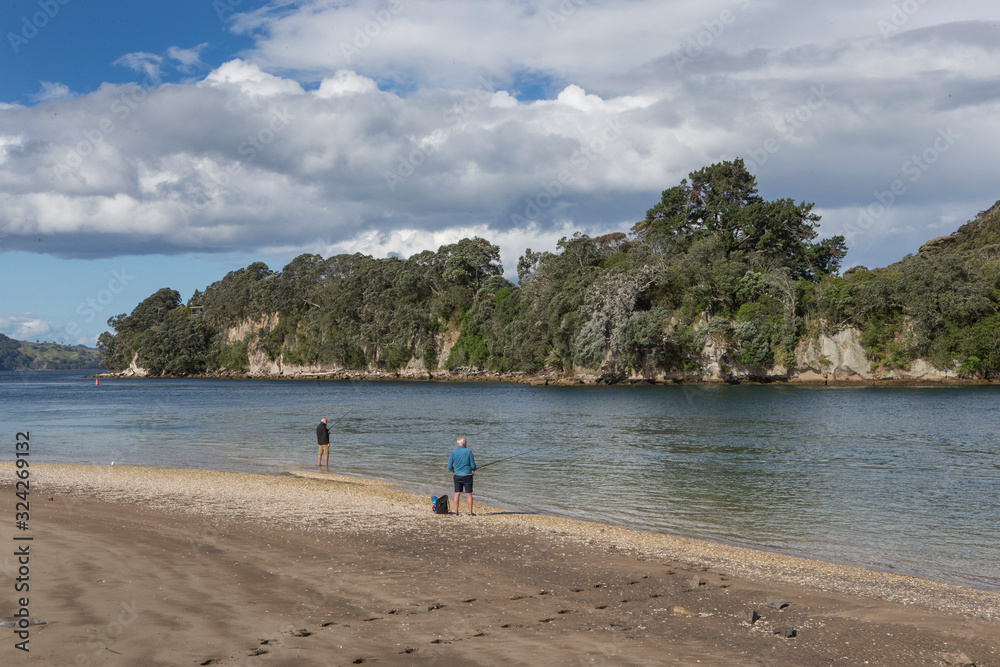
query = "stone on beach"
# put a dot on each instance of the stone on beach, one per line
(957, 659)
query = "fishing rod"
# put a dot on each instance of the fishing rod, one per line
(506, 459)
(342, 416)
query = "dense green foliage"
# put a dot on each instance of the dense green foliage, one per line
(11, 358)
(937, 306)
(16, 355)
(711, 262)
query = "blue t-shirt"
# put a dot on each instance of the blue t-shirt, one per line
(461, 462)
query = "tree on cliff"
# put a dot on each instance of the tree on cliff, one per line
(118, 349)
(722, 201)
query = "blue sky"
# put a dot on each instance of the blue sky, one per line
(79, 44)
(162, 145)
(77, 47)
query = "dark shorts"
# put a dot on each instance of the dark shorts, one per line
(463, 483)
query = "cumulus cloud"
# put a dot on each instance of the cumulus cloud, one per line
(245, 158)
(395, 126)
(30, 327)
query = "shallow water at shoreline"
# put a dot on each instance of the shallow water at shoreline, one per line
(901, 479)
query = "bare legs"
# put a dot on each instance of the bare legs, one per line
(468, 497)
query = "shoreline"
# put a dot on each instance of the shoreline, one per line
(152, 486)
(165, 566)
(555, 379)
(416, 494)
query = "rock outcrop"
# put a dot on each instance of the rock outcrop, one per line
(827, 358)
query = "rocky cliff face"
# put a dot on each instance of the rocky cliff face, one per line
(837, 358)
(841, 358)
(261, 366)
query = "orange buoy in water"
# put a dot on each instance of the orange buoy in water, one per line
(96, 381)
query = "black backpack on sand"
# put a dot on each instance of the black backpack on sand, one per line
(440, 504)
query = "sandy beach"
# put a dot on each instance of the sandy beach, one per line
(139, 566)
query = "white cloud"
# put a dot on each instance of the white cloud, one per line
(189, 59)
(144, 63)
(29, 327)
(250, 80)
(421, 130)
(345, 82)
(52, 90)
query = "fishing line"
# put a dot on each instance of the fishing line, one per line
(507, 458)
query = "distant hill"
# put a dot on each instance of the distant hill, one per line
(17, 355)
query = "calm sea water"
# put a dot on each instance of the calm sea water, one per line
(898, 478)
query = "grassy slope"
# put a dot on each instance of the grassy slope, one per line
(51, 356)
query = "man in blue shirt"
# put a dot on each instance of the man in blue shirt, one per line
(463, 464)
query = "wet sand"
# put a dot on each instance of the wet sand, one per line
(135, 566)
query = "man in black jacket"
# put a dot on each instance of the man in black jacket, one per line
(323, 438)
